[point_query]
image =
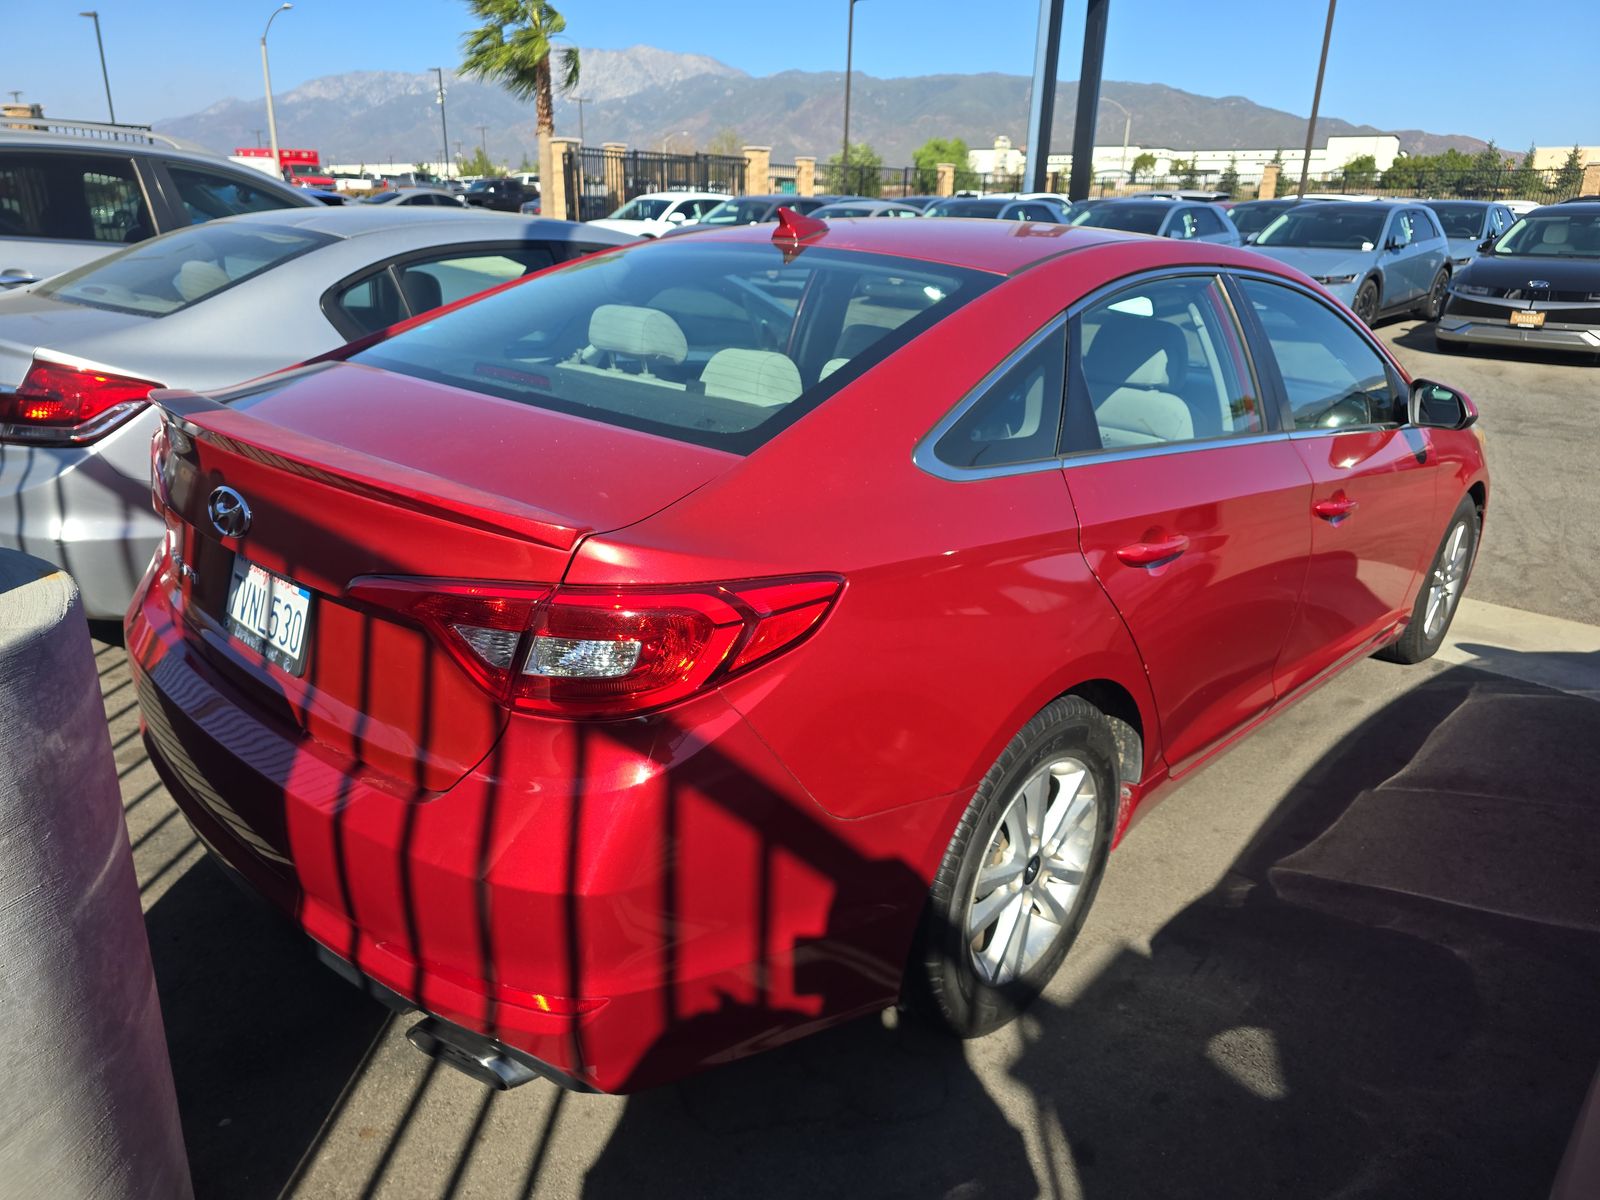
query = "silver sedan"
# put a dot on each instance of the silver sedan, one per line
(203, 308)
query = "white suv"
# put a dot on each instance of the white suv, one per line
(655, 213)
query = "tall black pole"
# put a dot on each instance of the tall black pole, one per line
(444, 129)
(1041, 109)
(95, 17)
(1316, 101)
(1094, 60)
(849, 56)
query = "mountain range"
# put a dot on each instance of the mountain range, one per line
(648, 97)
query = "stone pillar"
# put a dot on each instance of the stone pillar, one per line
(1268, 187)
(946, 185)
(616, 180)
(88, 1108)
(757, 169)
(1591, 180)
(553, 198)
(805, 175)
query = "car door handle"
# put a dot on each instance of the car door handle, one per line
(16, 277)
(1335, 508)
(1148, 554)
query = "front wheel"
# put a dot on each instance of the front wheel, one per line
(1441, 589)
(1365, 305)
(1020, 872)
(1432, 306)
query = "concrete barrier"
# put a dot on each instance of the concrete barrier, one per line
(87, 1108)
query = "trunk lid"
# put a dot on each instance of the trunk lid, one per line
(350, 471)
(29, 322)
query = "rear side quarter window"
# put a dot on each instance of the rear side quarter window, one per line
(1016, 417)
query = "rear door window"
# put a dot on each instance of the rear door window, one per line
(207, 195)
(72, 197)
(717, 344)
(409, 288)
(1207, 222)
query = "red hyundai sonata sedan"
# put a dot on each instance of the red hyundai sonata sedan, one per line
(700, 644)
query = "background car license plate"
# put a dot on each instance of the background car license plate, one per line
(1527, 319)
(270, 615)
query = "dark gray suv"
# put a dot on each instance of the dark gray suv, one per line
(71, 192)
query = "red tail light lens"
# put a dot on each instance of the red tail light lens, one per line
(598, 652)
(58, 405)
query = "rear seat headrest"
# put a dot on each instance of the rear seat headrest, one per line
(760, 377)
(637, 332)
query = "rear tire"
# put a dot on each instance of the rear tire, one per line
(1442, 586)
(1365, 305)
(1020, 873)
(1432, 306)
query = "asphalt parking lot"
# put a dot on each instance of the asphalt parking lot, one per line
(1353, 957)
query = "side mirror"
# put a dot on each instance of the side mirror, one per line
(1394, 243)
(1250, 238)
(1485, 246)
(1435, 406)
(676, 218)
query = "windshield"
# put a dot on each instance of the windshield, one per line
(849, 210)
(1461, 220)
(1326, 227)
(965, 208)
(381, 198)
(1143, 217)
(642, 210)
(706, 344)
(1553, 235)
(738, 212)
(481, 185)
(170, 273)
(1253, 218)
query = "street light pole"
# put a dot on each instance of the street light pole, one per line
(849, 60)
(1316, 101)
(266, 77)
(580, 101)
(1127, 125)
(95, 17)
(444, 129)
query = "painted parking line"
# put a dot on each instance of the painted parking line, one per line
(1550, 651)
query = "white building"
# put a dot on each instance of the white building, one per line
(1116, 161)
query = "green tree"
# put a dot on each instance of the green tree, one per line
(513, 47)
(1277, 158)
(1185, 170)
(927, 157)
(1361, 171)
(859, 175)
(1570, 177)
(1144, 163)
(478, 163)
(1525, 182)
(727, 141)
(1229, 180)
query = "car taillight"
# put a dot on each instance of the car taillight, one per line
(58, 405)
(600, 652)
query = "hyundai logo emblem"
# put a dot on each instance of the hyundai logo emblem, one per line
(1538, 283)
(229, 514)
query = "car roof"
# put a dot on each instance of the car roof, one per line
(350, 221)
(22, 138)
(1569, 208)
(999, 247)
(681, 194)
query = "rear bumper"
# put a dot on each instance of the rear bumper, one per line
(1486, 331)
(623, 903)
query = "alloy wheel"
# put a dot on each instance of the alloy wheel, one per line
(1445, 584)
(1026, 892)
(1366, 303)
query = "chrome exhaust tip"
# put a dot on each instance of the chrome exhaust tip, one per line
(470, 1053)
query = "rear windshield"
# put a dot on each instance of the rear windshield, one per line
(170, 273)
(642, 210)
(1143, 217)
(718, 345)
(1461, 220)
(739, 212)
(965, 208)
(1326, 227)
(1253, 218)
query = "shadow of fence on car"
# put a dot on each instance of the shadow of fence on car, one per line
(1351, 1039)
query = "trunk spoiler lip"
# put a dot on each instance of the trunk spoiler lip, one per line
(202, 418)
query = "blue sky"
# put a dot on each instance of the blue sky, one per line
(1420, 66)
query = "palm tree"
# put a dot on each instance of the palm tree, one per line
(513, 48)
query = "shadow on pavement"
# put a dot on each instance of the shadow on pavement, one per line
(1390, 993)
(1420, 337)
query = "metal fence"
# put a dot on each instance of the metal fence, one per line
(600, 182)
(1399, 182)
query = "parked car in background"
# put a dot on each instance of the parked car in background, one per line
(917, 202)
(499, 194)
(324, 196)
(865, 208)
(201, 308)
(1352, 197)
(1185, 220)
(997, 208)
(654, 213)
(1380, 258)
(1202, 195)
(1252, 216)
(415, 197)
(532, 208)
(756, 210)
(606, 671)
(67, 199)
(1468, 224)
(1521, 208)
(1537, 286)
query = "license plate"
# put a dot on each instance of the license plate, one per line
(270, 615)
(1527, 319)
